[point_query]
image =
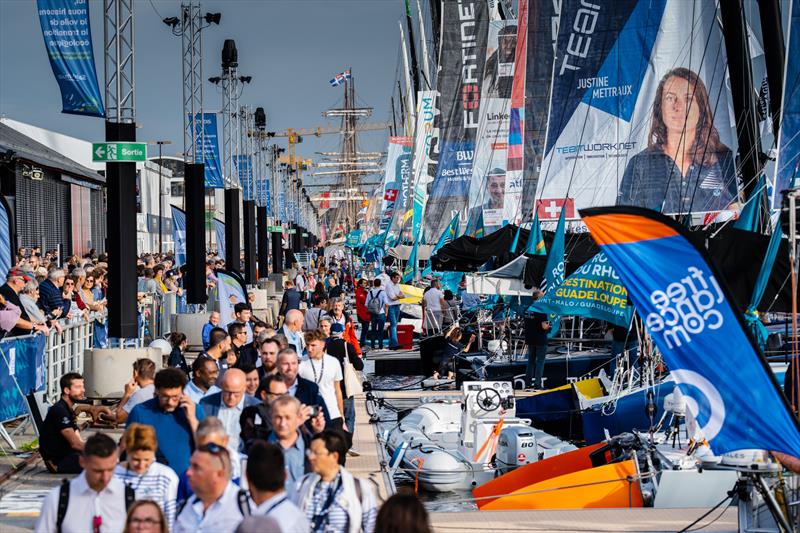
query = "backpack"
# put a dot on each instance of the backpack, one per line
(63, 501)
(374, 305)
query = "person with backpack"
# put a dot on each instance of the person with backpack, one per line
(377, 304)
(218, 505)
(95, 501)
(330, 496)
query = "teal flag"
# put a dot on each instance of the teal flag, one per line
(479, 229)
(515, 242)
(748, 218)
(353, 238)
(592, 291)
(758, 329)
(412, 265)
(535, 244)
(448, 235)
(554, 268)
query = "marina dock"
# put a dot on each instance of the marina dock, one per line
(369, 465)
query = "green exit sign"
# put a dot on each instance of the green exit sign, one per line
(276, 229)
(105, 152)
(291, 231)
(305, 234)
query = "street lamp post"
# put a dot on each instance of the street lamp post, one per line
(160, 196)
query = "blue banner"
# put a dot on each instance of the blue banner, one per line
(701, 337)
(262, 195)
(179, 235)
(592, 291)
(68, 41)
(21, 371)
(789, 137)
(244, 164)
(208, 150)
(219, 229)
(7, 250)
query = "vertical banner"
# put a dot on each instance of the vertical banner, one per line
(219, 233)
(515, 184)
(179, 235)
(262, 194)
(542, 38)
(641, 116)
(231, 290)
(489, 185)
(423, 138)
(398, 165)
(402, 179)
(7, 249)
(68, 40)
(244, 165)
(789, 137)
(465, 26)
(208, 151)
(700, 335)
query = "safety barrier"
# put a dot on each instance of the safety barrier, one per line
(64, 352)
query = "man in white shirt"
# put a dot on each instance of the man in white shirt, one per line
(326, 372)
(393, 297)
(432, 305)
(300, 280)
(204, 374)
(217, 505)
(265, 478)
(96, 499)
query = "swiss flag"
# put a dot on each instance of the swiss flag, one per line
(550, 208)
(390, 195)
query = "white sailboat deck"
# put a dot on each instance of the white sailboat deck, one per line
(368, 465)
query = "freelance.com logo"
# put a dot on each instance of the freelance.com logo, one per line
(686, 308)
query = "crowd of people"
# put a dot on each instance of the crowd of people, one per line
(252, 434)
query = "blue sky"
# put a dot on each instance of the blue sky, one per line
(290, 48)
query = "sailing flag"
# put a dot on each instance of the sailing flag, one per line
(701, 337)
(412, 265)
(535, 245)
(340, 78)
(592, 291)
(448, 235)
(554, 268)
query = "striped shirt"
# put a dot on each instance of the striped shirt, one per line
(334, 518)
(159, 484)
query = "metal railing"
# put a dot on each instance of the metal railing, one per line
(64, 352)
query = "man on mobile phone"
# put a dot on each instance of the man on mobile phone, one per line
(174, 416)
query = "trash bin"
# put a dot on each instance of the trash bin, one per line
(405, 336)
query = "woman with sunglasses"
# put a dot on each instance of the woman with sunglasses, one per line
(150, 480)
(86, 300)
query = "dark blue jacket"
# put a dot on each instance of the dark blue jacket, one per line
(50, 298)
(308, 393)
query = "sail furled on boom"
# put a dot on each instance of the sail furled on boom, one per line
(463, 49)
(640, 112)
(490, 191)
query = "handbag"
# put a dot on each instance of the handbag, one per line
(352, 381)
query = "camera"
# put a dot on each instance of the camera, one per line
(315, 411)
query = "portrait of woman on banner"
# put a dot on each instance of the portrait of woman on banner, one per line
(685, 167)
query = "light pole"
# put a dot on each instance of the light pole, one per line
(160, 195)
